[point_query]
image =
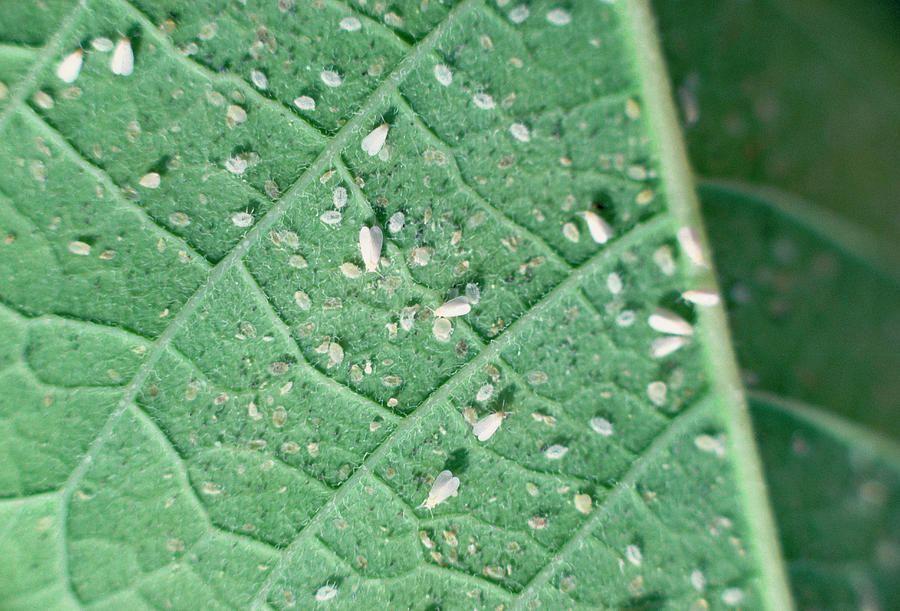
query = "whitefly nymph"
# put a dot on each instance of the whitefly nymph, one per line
(326, 592)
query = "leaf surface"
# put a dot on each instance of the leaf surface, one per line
(207, 407)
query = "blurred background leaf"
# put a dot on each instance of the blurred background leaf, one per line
(799, 94)
(839, 537)
(814, 314)
(815, 324)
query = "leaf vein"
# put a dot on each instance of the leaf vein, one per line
(472, 335)
(87, 324)
(441, 393)
(430, 293)
(153, 30)
(297, 353)
(112, 187)
(271, 217)
(393, 493)
(431, 522)
(47, 53)
(488, 207)
(19, 49)
(677, 427)
(310, 478)
(13, 501)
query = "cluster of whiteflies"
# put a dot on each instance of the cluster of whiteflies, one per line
(121, 63)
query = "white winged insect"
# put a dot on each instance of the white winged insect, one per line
(69, 67)
(666, 321)
(444, 486)
(600, 230)
(689, 238)
(374, 142)
(666, 345)
(370, 241)
(458, 306)
(485, 428)
(122, 62)
(701, 297)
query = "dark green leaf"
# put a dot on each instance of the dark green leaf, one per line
(799, 94)
(812, 318)
(836, 493)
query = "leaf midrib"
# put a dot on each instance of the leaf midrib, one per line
(663, 125)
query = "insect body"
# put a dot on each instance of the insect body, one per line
(689, 238)
(664, 346)
(665, 321)
(326, 592)
(485, 428)
(444, 486)
(599, 229)
(370, 240)
(701, 297)
(122, 62)
(69, 67)
(374, 142)
(458, 306)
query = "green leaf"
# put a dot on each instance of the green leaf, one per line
(835, 489)
(815, 314)
(206, 408)
(798, 94)
(814, 317)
